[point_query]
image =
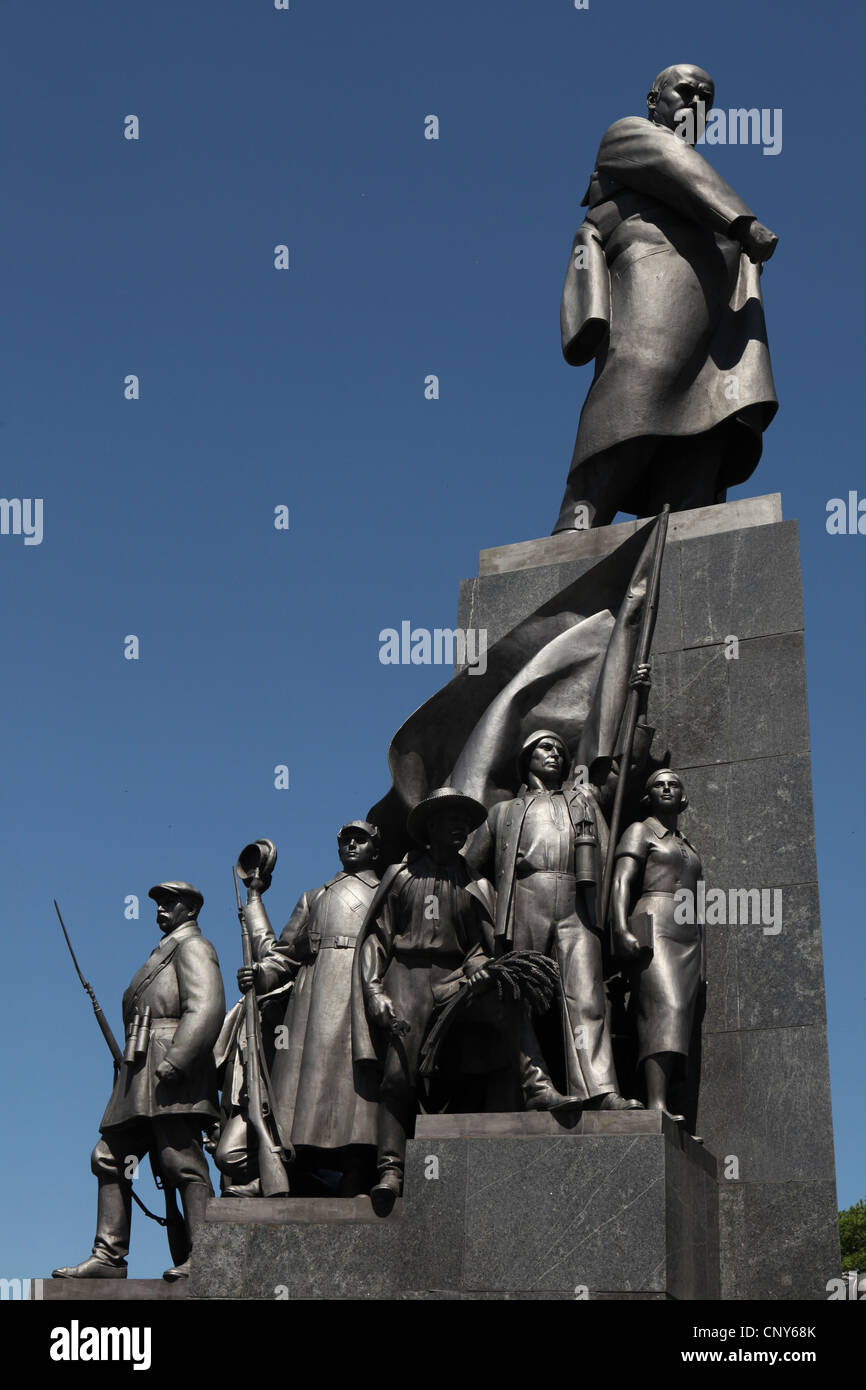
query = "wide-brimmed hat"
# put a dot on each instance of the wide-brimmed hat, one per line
(444, 799)
(174, 890)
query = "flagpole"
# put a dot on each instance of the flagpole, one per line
(642, 654)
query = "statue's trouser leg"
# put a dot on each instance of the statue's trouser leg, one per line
(113, 1162)
(688, 470)
(588, 1048)
(600, 483)
(177, 1144)
(534, 911)
(409, 990)
(534, 1076)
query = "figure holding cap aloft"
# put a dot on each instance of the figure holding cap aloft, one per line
(165, 1089)
(324, 1105)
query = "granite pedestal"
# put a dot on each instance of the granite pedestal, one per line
(495, 1206)
(734, 716)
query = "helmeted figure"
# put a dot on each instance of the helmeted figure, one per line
(546, 848)
(324, 1105)
(663, 290)
(165, 1090)
(654, 862)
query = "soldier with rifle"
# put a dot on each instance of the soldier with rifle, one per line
(165, 1085)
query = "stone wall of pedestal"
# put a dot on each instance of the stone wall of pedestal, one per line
(737, 727)
(495, 1207)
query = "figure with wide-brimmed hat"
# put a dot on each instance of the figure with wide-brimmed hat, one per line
(429, 931)
(165, 1089)
(325, 1106)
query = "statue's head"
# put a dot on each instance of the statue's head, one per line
(176, 903)
(357, 845)
(444, 821)
(544, 757)
(678, 89)
(664, 793)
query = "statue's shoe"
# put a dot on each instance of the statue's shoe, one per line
(177, 1272)
(386, 1191)
(91, 1268)
(552, 1100)
(612, 1101)
(243, 1189)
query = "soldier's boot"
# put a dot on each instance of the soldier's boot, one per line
(539, 1092)
(195, 1197)
(394, 1120)
(91, 1268)
(387, 1189)
(175, 1229)
(111, 1245)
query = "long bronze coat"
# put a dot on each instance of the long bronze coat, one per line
(321, 1098)
(182, 985)
(687, 347)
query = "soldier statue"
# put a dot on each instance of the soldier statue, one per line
(165, 1089)
(325, 1106)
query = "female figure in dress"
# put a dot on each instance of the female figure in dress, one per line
(654, 861)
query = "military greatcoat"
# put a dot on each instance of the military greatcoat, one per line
(321, 1098)
(181, 984)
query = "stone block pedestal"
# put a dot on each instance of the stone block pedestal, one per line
(495, 1206)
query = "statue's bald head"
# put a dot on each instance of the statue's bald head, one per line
(678, 88)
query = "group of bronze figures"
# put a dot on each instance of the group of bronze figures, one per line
(426, 986)
(482, 970)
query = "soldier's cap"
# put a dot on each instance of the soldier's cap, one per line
(444, 799)
(533, 741)
(257, 858)
(172, 891)
(364, 825)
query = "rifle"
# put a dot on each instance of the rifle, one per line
(172, 1215)
(104, 1025)
(271, 1154)
(630, 716)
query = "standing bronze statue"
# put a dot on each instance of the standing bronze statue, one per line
(654, 860)
(545, 850)
(324, 1105)
(165, 1089)
(430, 919)
(663, 290)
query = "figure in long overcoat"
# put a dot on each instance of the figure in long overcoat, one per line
(324, 1105)
(663, 290)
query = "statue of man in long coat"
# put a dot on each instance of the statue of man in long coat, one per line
(324, 1104)
(165, 1090)
(663, 290)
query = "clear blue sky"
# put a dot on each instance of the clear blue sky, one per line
(305, 388)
